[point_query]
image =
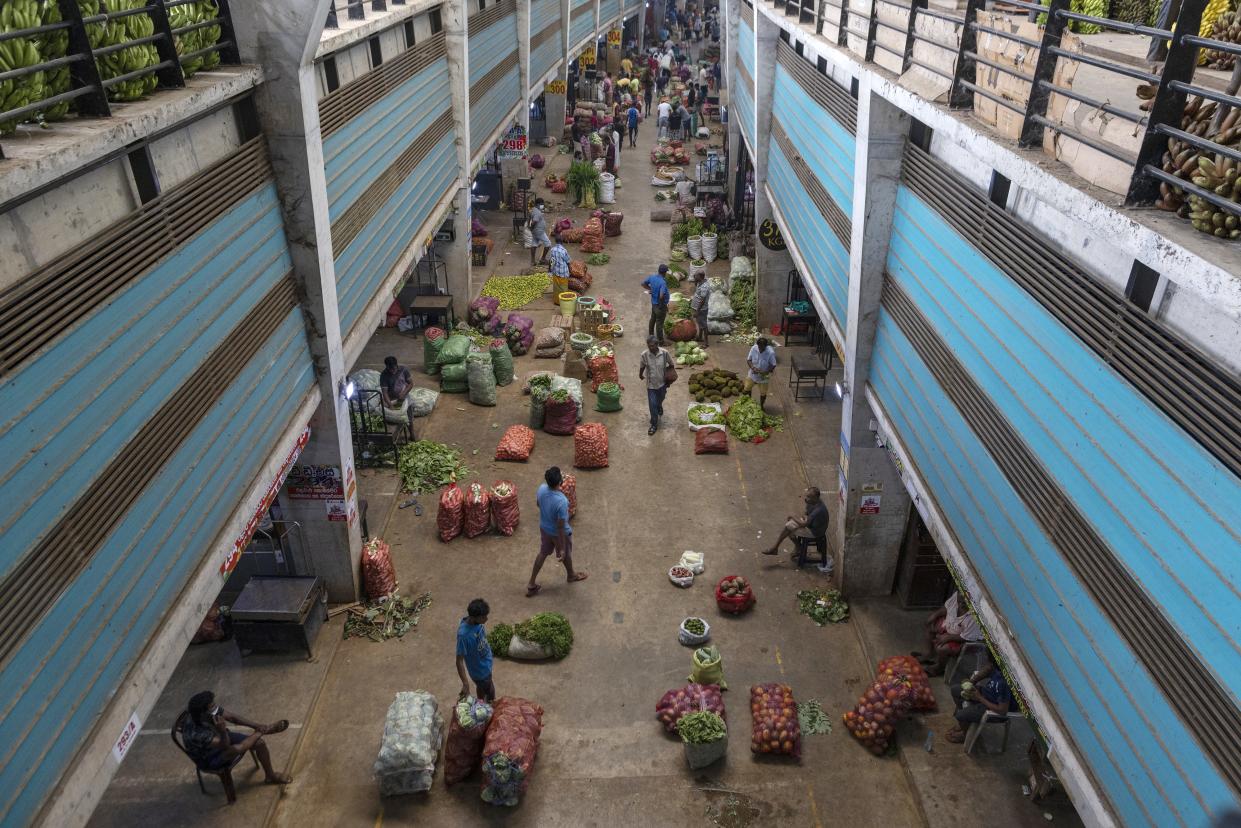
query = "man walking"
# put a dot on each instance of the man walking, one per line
(474, 652)
(657, 286)
(665, 112)
(652, 366)
(762, 361)
(555, 533)
(632, 117)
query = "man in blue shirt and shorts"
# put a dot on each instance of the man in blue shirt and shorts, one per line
(555, 533)
(474, 653)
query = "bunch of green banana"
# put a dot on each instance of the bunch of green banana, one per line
(55, 45)
(130, 59)
(1130, 11)
(1094, 8)
(1213, 172)
(95, 32)
(179, 17)
(18, 53)
(210, 35)
(1226, 27)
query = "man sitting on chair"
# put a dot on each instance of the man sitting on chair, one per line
(986, 691)
(805, 530)
(213, 747)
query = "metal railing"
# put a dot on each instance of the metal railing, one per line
(1151, 182)
(65, 37)
(356, 9)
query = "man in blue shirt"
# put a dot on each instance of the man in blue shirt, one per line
(632, 117)
(474, 653)
(986, 691)
(555, 533)
(657, 286)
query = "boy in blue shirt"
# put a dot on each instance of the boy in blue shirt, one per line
(657, 286)
(632, 117)
(474, 653)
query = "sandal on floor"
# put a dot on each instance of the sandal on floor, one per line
(533, 591)
(578, 576)
(279, 727)
(957, 737)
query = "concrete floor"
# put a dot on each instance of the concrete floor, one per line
(604, 759)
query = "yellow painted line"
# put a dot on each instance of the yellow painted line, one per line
(779, 661)
(741, 481)
(814, 809)
(379, 819)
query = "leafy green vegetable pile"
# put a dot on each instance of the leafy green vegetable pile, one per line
(701, 728)
(426, 465)
(695, 626)
(823, 606)
(559, 395)
(389, 617)
(550, 629)
(499, 638)
(688, 353)
(598, 259)
(748, 422)
(541, 381)
(702, 414)
(516, 291)
(812, 718)
(367, 422)
(742, 298)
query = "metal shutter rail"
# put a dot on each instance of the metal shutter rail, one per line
(835, 217)
(822, 89)
(1197, 395)
(122, 253)
(1171, 664)
(585, 8)
(747, 14)
(548, 31)
(351, 222)
(346, 103)
(32, 587)
(747, 81)
(491, 15)
(494, 76)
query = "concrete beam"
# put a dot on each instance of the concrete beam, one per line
(772, 267)
(455, 15)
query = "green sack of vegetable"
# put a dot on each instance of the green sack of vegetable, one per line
(538, 403)
(609, 397)
(708, 667)
(432, 344)
(481, 378)
(454, 378)
(455, 349)
(501, 362)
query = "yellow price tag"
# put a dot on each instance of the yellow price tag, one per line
(556, 87)
(614, 37)
(587, 58)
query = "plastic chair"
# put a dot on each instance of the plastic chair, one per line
(803, 545)
(975, 731)
(225, 773)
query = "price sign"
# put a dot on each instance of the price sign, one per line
(587, 57)
(614, 37)
(769, 234)
(513, 144)
(121, 746)
(556, 87)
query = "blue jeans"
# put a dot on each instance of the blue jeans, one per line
(655, 401)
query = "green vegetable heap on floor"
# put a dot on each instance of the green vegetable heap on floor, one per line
(823, 606)
(703, 414)
(499, 637)
(426, 465)
(695, 626)
(812, 718)
(516, 291)
(746, 421)
(549, 629)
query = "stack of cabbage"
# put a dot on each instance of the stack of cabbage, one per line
(413, 731)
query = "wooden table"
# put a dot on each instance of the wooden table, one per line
(436, 306)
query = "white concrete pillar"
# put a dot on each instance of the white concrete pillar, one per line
(736, 146)
(282, 35)
(455, 14)
(873, 505)
(523, 55)
(772, 267)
